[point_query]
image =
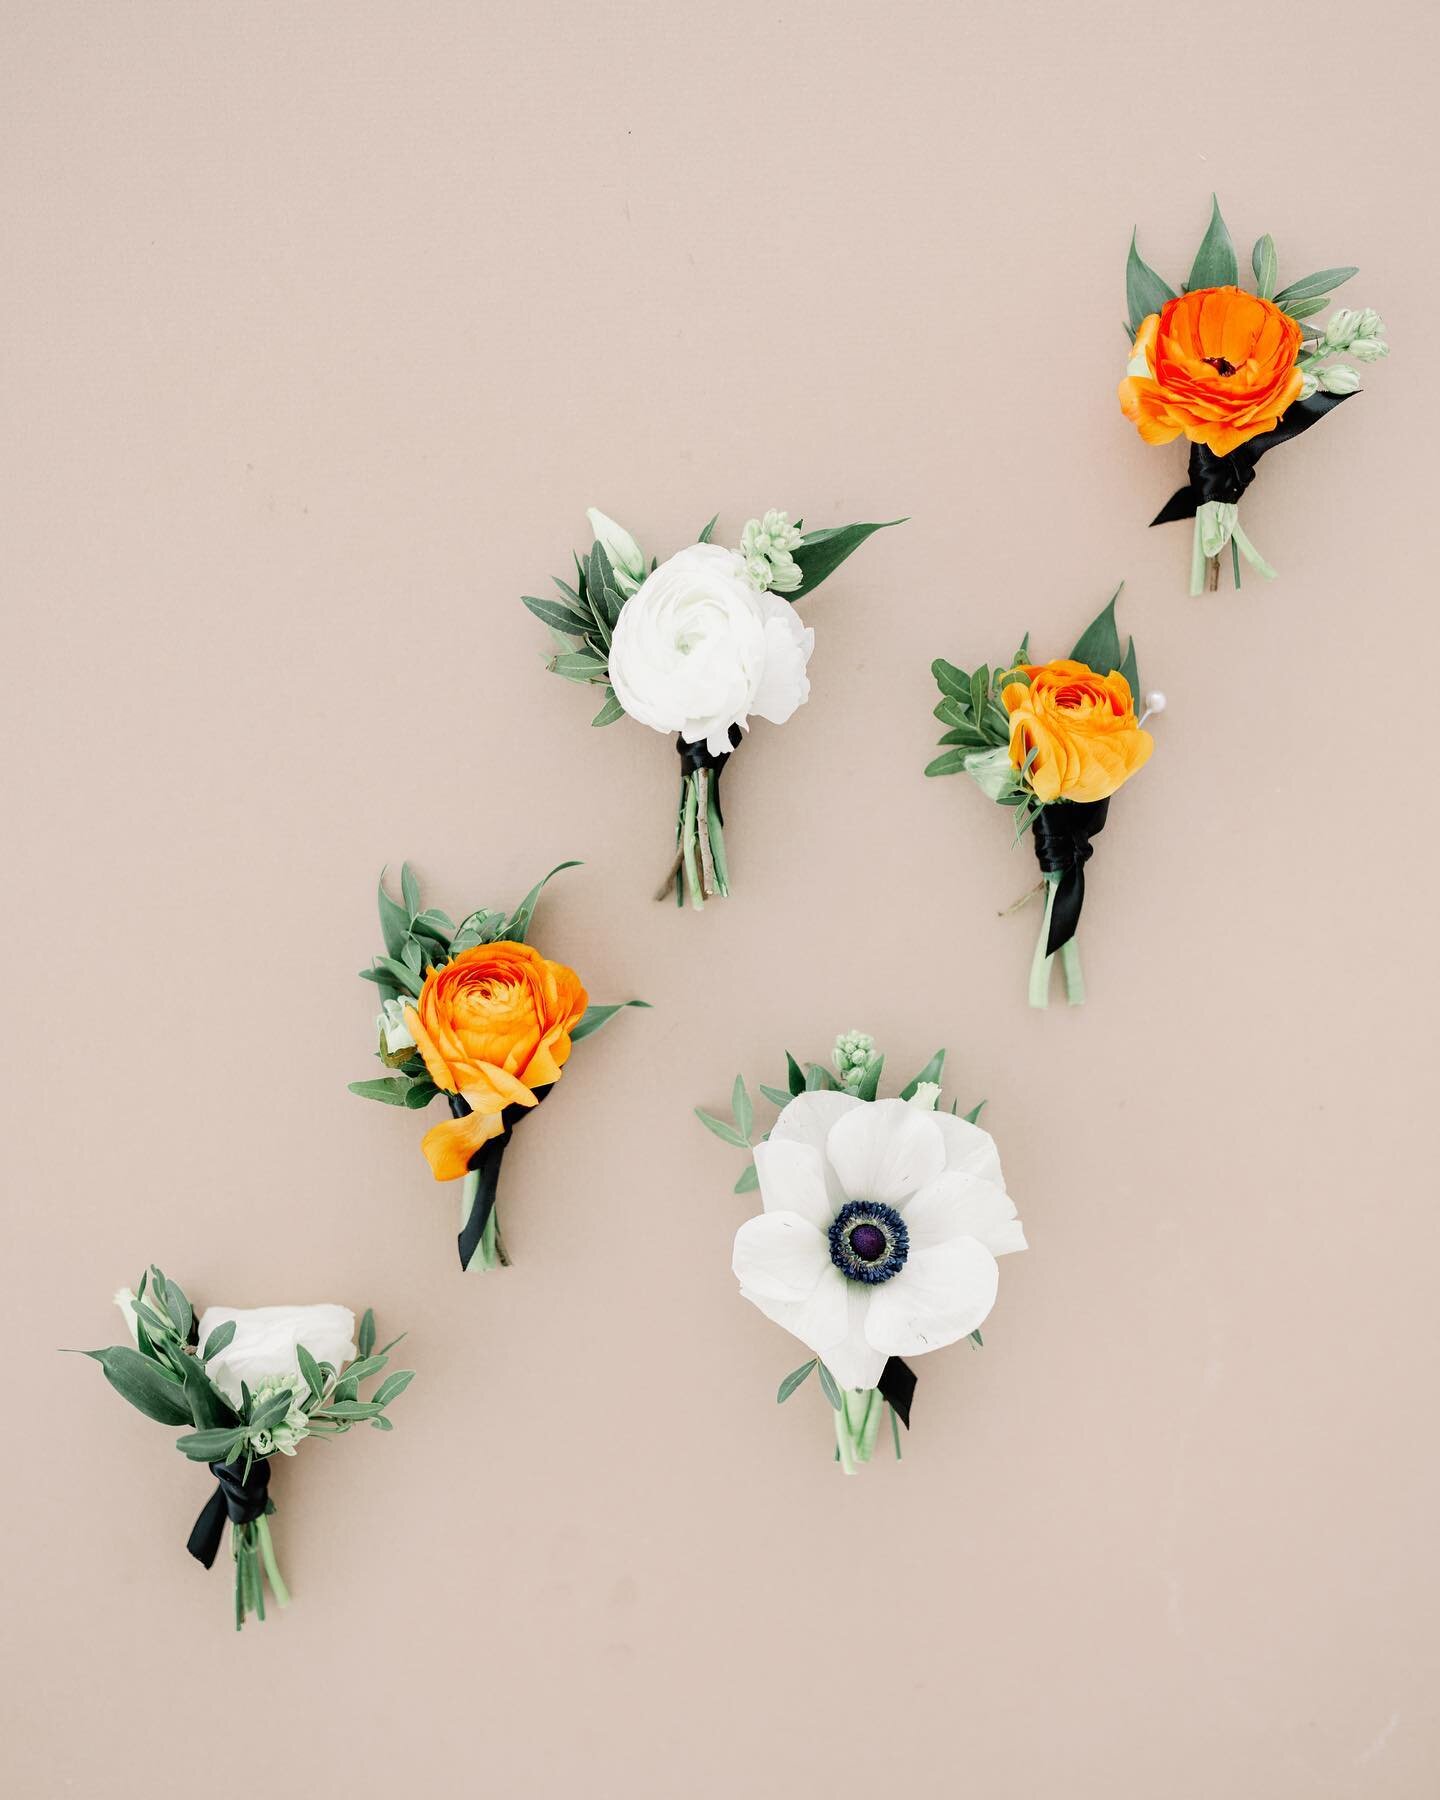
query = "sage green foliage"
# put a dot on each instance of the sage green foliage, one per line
(164, 1376)
(970, 703)
(582, 620)
(420, 939)
(1215, 265)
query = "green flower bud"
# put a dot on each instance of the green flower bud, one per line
(1340, 378)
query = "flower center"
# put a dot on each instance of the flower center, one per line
(868, 1241)
(1220, 366)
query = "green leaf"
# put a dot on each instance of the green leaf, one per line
(951, 711)
(977, 1340)
(208, 1407)
(968, 736)
(595, 1016)
(1145, 292)
(793, 1380)
(178, 1308)
(742, 1107)
(557, 617)
(143, 1383)
(951, 763)
(704, 537)
(207, 1446)
(579, 665)
(350, 1409)
(310, 1369)
(722, 1129)
(1099, 643)
(794, 1075)
(748, 1182)
(1309, 286)
(410, 892)
(365, 1338)
(830, 1385)
(973, 1116)
(1130, 670)
(519, 921)
(818, 1079)
(1305, 309)
(391, 1090)
(820, 553)
(393, 1385)
(421, 1092)
(394, 921)
(1022, 655)
(1266, 265)
(931, 1072)
(868, 1086)
(950, 680)
(610, 711)
(271, 1410)
(382, 1424)
(1214, 264)
(408, 979)
(776, 1096)
(979, 690)
(217, 1340)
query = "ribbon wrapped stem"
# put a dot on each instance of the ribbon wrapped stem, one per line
(242, 1499)
(699, 869)
(480, 1243)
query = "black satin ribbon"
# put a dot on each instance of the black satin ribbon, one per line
(1225, 478)
(897, 1385)
(238, 1497)
(1062, 833)
(694, 757)
(487, 1161)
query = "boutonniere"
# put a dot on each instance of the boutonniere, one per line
(247, 1385)
(473, 1015)
(696, 647)
(1236, 373)
(1053, 741)
(882, 1224)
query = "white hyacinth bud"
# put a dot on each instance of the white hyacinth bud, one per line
(1340, 328)
(1309, 383)
(1368, 349)
(1339, 379)
(626, 557)
(766, 545)
(396, 1042)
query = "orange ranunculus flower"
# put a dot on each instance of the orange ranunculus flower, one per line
(1218, 364)
(492, 1025)
(1082, 727)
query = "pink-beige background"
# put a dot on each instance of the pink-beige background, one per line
(323, 325)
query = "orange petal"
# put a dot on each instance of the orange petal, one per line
(449, 1145)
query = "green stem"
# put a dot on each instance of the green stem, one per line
(689, 845)
(272, 1568)
(715, 829)
(1070, 968)
(844, 1443)
(1040, 963)
(469, 1196)
(894, 1429)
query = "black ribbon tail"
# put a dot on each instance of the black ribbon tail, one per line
(1225, 478)
(1062, 832)
(486, 1161)
(897, 1385)
(208, 1530)
(240, 1496)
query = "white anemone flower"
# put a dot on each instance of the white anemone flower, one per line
(881, 1228)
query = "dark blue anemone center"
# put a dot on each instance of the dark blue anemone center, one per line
(868, 1241)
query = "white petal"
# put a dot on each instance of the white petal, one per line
(969, 1148)
(780, 1255)
(941, 1295)
(885, 1151)
(820, 1320)
(807, 1120)
(852, 1359)
(792, 1179)
(959, 1205)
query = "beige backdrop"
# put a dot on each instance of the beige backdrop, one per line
(325, 323)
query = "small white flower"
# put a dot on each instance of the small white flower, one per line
(1309, 383)
(853, 1049)
(1368, 349)
(993, 772)
(698, 648)
(880, 1231)
(766, 544)
(926, 1096)
(393, 1031)
(296, 1423)
(265, 1340)
(1339, 378)
(1340, 328)
(627, 559)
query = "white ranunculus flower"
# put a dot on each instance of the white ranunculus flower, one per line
(881, 1227)
(698, 648)
(393, 1029)
(265, 1339)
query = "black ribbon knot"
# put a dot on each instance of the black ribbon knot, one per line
(486, 1161)
(1225, 478)
(694, 757)
(1062, 833)
(238, 1497)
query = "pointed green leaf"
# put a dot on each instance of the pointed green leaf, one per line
(868, 1086)
(392, 1090)
(951, 763)
(1130, 670)
(831, 1387)
(704, 537)
(794, 1075)
(793, 1380)
(931, 1072)
(208, 1446)
(1309, 286)
(578, 665)
(409, 892)
(596, 1016)
(1214, 264)
(950, 680)
(776, 1096)
(973, 1116)
(1304, 309)
(1266, 265)
(979, 690)
(310, 1369)
(217, 1340)
(748, 1181)
(557, 617)
(365, 1338)
(143, 1383)
(610, 711)
(722, 1129)
(1099, 644)
(381, 1423)
(393, 1385)
(1145, 292)
(820, 553)
(743, 1109)
(394, 921)
(519, 921)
